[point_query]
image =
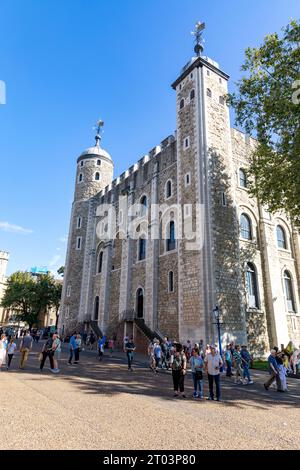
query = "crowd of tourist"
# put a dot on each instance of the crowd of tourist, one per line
(235, 361)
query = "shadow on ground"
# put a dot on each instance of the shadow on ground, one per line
(111, 377)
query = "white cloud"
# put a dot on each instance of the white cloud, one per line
(63, 239)
(7, 227)
(54, 260)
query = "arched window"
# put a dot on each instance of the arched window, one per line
(142, 249)
(140, 303)
(192, 95)
(242, 178)
(171, 242)
(169, 189)
(80, 178)
(251, 283)
(97, 176)
(100, 262)
(98, 162)
(96, 308)
(281, 238)
(246, 231)
(221, 100)
(144, 204)
(289, 292)
(208, 92)
(171, 281)
(182, 103)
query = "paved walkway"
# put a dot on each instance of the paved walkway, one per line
(103, 406)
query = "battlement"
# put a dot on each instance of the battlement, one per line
(138, 165)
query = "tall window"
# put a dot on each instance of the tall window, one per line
(182, 103)
(251, 282)
(144, 205)
(79, 222)
(242, 178)
(171, 242)
(192, 95)
(169, 189)
(281, 238)
(78, 243)
(97, 176)
(96, 309)
(98, 162)
(246, 231)
(100, 262)
(289, 292)
(208, 92)
(140, 303)
(142, 248)
(80, 178)
(171, 281)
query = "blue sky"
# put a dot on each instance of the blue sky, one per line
(66, 63)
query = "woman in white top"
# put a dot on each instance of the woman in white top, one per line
(3, 348)
(11, 347)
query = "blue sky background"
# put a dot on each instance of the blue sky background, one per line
(68, 62)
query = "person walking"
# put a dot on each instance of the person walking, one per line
(197, 373)
(101, 343)
(130, 348)
(274, 372)
(25, 348)
(246, 360)
(11, 347)
(151, 356)
(228, 361)
(73, 348)
(213, 362)
(92, 340)
(78, 349)
(111, 345)
(157, 354)
(56, 347)
(47, 351)
(178, 365)
(3, 350)
(238, 365)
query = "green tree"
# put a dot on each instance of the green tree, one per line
(267, 107)
(30, 296)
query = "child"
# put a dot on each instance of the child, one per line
(197, 373)
(11, 351)
(111, 346)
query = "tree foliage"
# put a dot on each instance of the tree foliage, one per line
(267, 106)
(29, 296)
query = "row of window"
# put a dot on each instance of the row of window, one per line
(98, 163)
(192, 96)
(97, 177)
(139, 303)
(253, 293)
(142, 245)
(246, 232)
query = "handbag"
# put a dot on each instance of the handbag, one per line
(199, 375)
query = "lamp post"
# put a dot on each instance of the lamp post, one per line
(216, 312)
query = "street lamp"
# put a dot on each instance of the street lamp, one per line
(216, 312)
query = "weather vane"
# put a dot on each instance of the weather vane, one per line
(199, 28)
(98, 127)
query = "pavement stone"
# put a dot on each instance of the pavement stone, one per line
(101, 405)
